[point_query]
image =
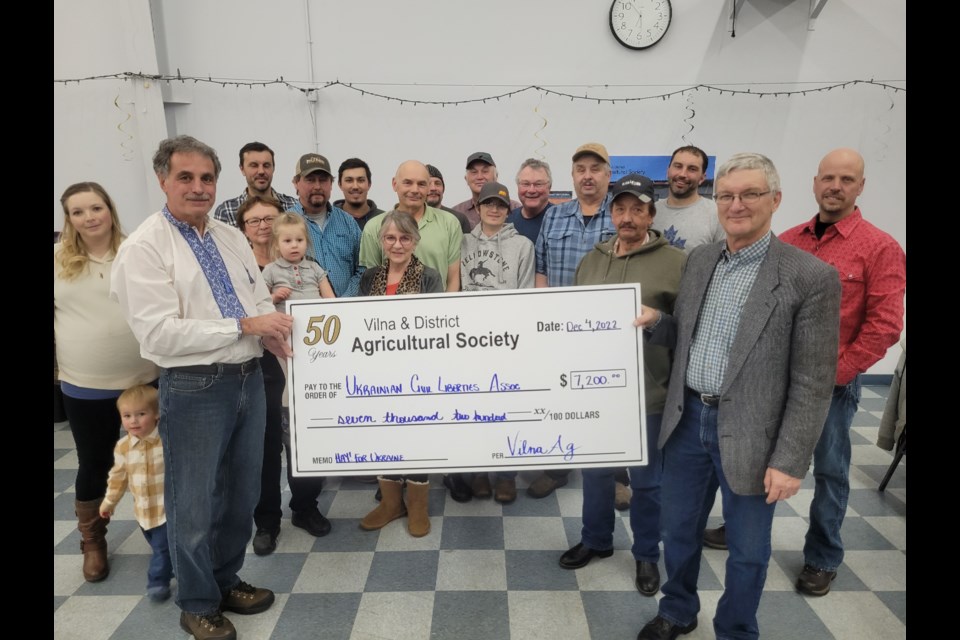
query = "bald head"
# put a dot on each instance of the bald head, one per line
(838, 184)
(411, 184)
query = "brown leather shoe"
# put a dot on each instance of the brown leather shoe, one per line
(545, 485)
(505, 490)
(815, 582)
(662, 629)
(211, 627)
(716, 538)
(247, 599)
(480, 487)
(623, 494)
(93, 540)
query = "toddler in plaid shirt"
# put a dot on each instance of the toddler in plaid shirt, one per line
(138, 464)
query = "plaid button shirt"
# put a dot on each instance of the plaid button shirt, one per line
(566, 236)
(227, 211)
(138, 464)
(732, 280)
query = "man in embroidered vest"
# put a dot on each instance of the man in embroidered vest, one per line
(193, 295)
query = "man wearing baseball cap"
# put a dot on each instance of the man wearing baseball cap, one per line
(481, 169)
(334, 235)
(568, 232)
(640, 254)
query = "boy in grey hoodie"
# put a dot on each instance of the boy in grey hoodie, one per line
(494, 255)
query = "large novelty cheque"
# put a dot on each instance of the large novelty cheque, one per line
(531, 379)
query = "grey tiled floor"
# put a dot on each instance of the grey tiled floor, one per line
(489, 572)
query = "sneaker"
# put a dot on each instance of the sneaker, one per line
(312, 521)
(716, 538)
(210, 627)
(545, 485)
(159, 593)
(622, 499)
(247, 599)
(815, 582)
(265, 541)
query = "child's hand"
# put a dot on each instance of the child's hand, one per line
(105, 515)
(280, 294)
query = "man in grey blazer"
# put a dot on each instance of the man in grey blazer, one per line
(755, 328)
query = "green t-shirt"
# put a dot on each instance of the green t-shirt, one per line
(439, 246)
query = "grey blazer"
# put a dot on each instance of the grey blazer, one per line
(780, 375)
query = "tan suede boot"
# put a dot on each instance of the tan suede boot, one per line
(418, 520)
(93, 540)
(390, 507)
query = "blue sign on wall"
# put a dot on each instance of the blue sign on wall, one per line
(654, 167)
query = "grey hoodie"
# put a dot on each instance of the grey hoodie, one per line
(504, 261)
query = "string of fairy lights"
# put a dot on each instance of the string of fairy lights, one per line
(756, 90)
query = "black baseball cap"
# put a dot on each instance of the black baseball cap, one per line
(639, 185)
(480, 156)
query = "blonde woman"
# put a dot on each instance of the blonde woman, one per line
(96, 352)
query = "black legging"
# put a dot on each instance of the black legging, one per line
(95, 425)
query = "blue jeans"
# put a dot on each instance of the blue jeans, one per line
(161, 569)
(691, 473)
(831, 471)
(599, 490)
(212, 431)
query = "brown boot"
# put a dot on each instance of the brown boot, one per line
(390, 507)
(418, 520)
(93, 540)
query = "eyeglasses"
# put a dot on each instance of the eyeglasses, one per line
(255, 222)
(750, 197)
(494, 204)
(405, 241)
(536, 185)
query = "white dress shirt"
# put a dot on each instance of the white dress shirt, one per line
(167, 300)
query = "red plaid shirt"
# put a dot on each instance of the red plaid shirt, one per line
(873, 272)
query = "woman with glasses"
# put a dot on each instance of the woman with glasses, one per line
(401, 274)
(255, 217)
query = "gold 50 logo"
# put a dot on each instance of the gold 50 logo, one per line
(322, 328)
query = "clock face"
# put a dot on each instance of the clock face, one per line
(638, 24)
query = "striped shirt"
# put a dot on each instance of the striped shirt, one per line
(732, 280)
(227, 210)
(138, 464)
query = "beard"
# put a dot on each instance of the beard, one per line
(682, 191)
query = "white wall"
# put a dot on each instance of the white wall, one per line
(488, 48)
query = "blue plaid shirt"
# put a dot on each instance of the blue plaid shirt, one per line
(336, 247)
(227, 210)
(566, 236)
(732, 280)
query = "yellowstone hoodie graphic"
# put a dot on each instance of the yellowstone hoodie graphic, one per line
(502, 261)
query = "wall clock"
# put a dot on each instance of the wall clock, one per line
(639, 24)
